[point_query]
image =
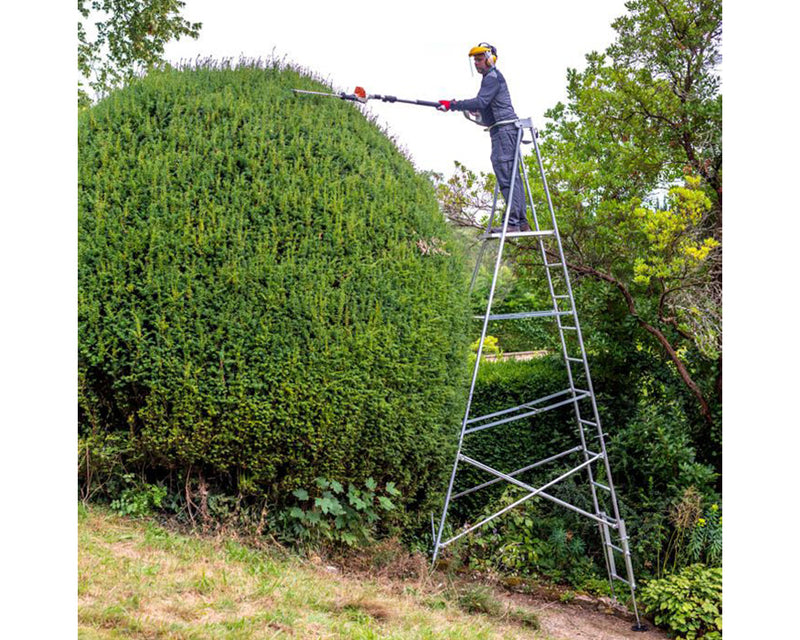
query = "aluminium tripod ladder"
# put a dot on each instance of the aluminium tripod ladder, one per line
(589, 454)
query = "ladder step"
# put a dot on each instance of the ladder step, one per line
(620, 578)
(601, 486)
(518, 234)
(561, 297)
(525, 314)
(569, 328)
(589, 422)
(553, 264)
(522, 411)
(615, 548)
(575, 359)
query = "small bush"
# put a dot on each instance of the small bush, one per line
(139, 499)
(329, 513)
(687, 604)
(527, 542)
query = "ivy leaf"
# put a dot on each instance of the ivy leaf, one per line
(300, 494)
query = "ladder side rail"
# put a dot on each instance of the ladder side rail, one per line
(579, 333)
(601, 438)
(593, 489)
(498, 261)
(576, 406)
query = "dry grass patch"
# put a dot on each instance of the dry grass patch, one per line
(138, 580)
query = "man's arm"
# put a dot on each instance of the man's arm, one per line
(489, 88)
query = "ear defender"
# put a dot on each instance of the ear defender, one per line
(489, 51)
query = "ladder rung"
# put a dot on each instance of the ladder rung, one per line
(525, 314)
(575, 359)
(560, 297)
(589, 422)
(527, 410)
(615, 548)
(601, 486)
(583, 391)
(553, 264)
(569, 328)
(518, 234)
(620, 578)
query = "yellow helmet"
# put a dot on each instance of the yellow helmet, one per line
(487, 49)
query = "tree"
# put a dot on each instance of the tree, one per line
(634, 164)
(129, 36)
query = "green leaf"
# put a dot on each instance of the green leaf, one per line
(385, 503)
(300, 494)
(371, 484)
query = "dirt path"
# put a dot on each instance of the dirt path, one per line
(586, 620)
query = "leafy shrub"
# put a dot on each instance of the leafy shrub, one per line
(139, 499)
(527, 542)
(664, 488)
(257, 297)
(688, 604)
(330, 514)
(705, 541)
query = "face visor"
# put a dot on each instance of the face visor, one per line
(486, 51)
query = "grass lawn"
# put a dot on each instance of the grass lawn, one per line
(137, 579)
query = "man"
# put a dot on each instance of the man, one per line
(493, 103)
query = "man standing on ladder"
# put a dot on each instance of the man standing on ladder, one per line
(493, 104)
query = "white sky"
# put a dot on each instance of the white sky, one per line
(415, 50)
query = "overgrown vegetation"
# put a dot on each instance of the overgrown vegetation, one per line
(255, 308)
(688, 603)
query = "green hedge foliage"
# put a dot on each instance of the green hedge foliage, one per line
(267, 290)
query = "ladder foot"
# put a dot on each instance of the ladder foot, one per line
(640, 627)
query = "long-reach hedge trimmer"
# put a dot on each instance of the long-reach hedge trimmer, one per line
(360, 95)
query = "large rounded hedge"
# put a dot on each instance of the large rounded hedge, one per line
(267, 290)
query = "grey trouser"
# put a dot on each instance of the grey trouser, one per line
(504, 148)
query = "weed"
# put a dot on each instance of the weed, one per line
(525, 617)
(478, 599)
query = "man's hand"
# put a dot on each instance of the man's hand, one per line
(444, 105)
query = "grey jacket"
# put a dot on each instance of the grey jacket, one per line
(493, 100)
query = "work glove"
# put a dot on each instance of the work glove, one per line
(444, 105)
